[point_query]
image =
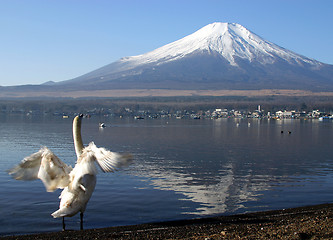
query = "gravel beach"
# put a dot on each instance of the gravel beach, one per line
(311, 222)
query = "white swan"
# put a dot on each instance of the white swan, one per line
(78, 183)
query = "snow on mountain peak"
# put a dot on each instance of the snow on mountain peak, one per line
(230, 40)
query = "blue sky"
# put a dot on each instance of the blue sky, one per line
(55, 40)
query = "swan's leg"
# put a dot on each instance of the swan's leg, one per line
(63, 224)
(81, 218)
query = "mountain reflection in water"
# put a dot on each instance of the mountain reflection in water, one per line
(226, 167)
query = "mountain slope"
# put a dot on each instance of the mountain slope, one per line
(217, 56)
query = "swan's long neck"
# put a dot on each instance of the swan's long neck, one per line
(77, 136)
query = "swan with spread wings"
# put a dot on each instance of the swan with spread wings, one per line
(78, 183)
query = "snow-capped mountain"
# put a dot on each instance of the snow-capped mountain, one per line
(227, 39)
(219, 55)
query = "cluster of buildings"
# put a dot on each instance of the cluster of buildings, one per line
(281, 114)
(225, 113)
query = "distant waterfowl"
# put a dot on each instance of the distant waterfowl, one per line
(289, 132)
(78, 182)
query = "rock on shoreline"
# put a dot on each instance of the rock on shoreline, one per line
(311, 222)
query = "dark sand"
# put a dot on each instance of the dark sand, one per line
(313, 222)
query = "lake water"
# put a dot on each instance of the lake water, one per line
(183, 169)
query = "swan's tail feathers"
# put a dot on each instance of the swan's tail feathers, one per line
(44, 165)
(66, 211)
(107, 160)
(62, 212)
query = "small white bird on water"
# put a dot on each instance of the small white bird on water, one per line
(78, 182)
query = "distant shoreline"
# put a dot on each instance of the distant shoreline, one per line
(158, 93)
(134, 102)
(310, 222)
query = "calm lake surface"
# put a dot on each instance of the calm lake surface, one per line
(183, 169)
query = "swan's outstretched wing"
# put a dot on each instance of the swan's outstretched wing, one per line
(44, 165)
(108, 161)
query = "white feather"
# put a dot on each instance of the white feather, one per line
(108, 161)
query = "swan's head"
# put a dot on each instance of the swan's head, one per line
(77, 120)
